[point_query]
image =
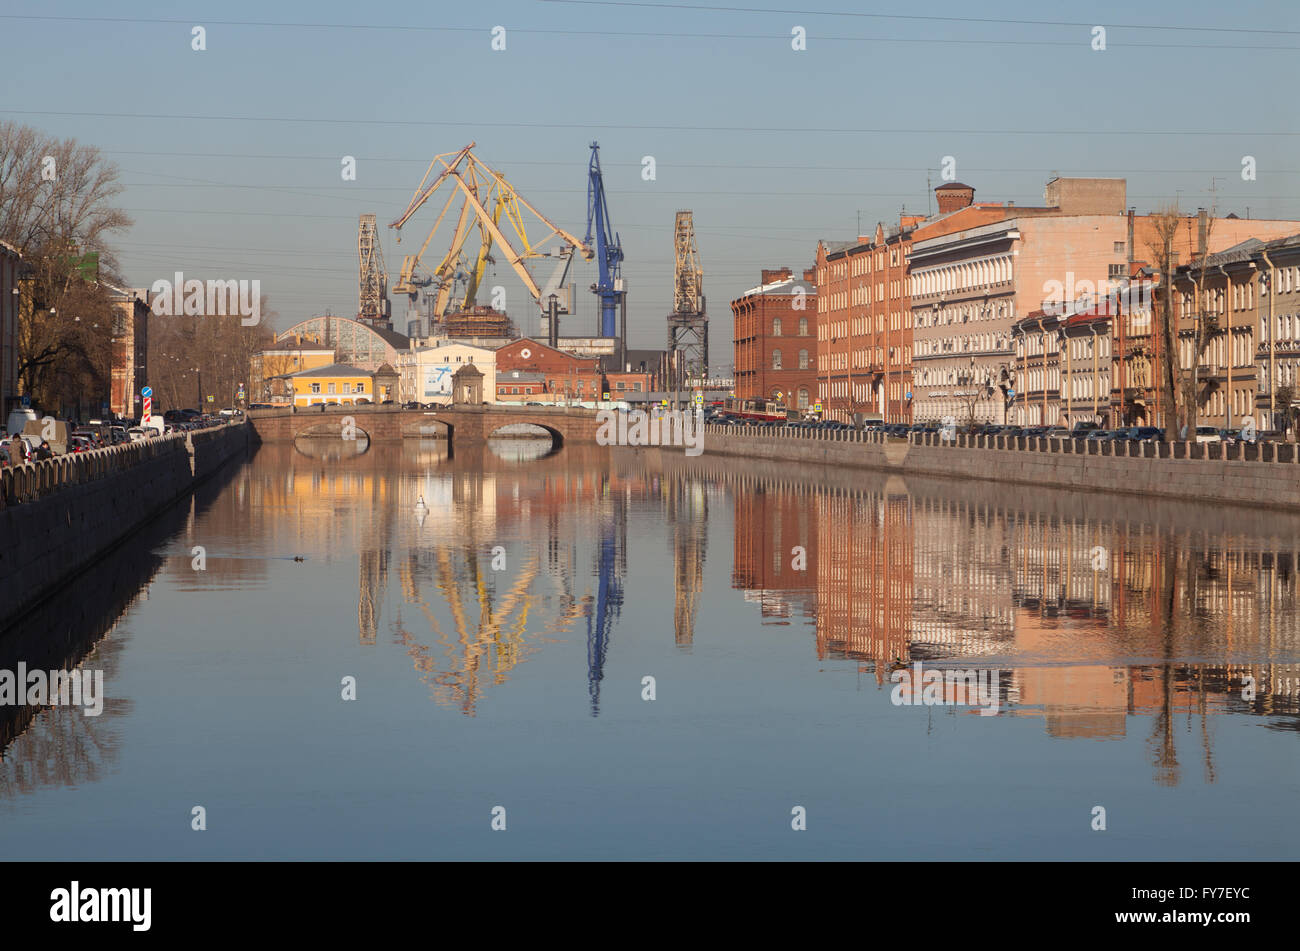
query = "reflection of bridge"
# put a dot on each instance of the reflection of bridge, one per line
(463, 425)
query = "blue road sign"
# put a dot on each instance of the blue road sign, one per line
(27, 401)
(1011, 393)
(147, 391)
(909, 394)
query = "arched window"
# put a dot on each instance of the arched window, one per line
(776, 327)
(803, 326)
(776, 359)
(803, 398)
(803, 359)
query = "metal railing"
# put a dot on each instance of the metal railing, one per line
(1240, 451)
(34, 480)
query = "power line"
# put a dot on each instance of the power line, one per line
(729, 166)
(925, 18)
(771, 129)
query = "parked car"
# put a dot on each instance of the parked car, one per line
(136, 434)
(412, 405)
(1101, 435)
(1057, 432)
(1208, 434)
(1081, 430)
(1144, 434)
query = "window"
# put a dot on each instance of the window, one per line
(361, 388)
(1119, 247)
(776, 327)
(776, 359)
(803, 359)
(803, 326)
(315, 387)
(803, 398)
(331, 388)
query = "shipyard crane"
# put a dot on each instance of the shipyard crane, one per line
(485, 198)
(609, 252)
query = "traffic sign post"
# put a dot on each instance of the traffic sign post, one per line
(147, 405)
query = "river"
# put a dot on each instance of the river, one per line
(636, 654)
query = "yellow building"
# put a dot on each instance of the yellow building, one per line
(272, 367)
(336, 383)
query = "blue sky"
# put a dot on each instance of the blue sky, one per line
(232, 155)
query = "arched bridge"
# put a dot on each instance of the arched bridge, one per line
(462, 425)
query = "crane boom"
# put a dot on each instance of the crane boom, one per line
(609, 251)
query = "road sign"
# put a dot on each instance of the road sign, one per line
(1011, 394)
(212, 399)
(817, 407)
(909, 394)
(146, 391)
(27, 401)
(605, 396)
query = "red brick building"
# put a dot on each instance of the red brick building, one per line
(563, 376)
(864, 339)
(775, 340)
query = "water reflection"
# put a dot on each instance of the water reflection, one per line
(330, 448)
(1185, 613)
(42, 747)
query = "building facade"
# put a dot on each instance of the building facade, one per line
(972, 286)
(775, 340)
(336, 383)
(130, 341)
(425, 374)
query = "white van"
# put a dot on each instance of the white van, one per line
(18, 420)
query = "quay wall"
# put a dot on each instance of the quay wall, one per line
(61, 515)
(1267, 475)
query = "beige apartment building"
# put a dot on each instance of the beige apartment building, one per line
(970, 287)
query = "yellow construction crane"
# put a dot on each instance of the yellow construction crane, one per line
(486, 196)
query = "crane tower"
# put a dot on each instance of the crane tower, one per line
(372, 276)
(688, 324)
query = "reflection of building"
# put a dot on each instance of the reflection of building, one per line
(771, 520)
(865, 576)
(961, 579)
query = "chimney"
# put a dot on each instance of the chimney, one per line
(1131, 213)
(953, 196)
(771, 276)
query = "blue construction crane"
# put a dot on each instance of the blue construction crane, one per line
(609, 252)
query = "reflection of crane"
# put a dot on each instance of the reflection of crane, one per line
(687, 517)
(609, 593)
(485, 196)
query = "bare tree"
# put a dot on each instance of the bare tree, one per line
(1165, 222)
(56, 208)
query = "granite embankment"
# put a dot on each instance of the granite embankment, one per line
(1266, 475)
(61, 515)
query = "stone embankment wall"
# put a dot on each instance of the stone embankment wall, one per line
(62, 514)
(1266, 475)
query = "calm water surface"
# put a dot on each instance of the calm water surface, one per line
(1144, 657)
